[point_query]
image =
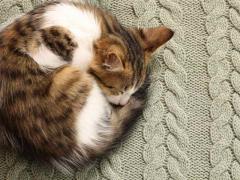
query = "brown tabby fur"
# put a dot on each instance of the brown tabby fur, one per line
(38, 109)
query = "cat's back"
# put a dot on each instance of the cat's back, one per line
(39, 108)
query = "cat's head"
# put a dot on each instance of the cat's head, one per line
(121, 59)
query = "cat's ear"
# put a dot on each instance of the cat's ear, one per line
(152, 38)
(113, 62)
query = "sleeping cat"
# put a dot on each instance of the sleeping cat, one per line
(70, 76)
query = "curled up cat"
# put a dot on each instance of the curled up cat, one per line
(71, 81)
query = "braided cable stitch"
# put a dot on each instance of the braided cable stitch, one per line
(89, 172)
(17, 167)
(42, 171)
(154, 152)
(235, 80)
(146, 13)
(111, 165)
(178, 163)
(12, 9)
(219, 89)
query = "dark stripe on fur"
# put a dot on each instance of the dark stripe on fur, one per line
(135, 52)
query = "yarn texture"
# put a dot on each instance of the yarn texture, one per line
(190, 129)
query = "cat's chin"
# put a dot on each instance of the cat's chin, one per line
(118, 100)
(114, 105)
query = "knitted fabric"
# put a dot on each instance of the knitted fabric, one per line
(190, 129)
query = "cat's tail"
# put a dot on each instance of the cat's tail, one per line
(123, 118)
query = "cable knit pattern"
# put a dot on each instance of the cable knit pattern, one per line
(176, 97)
(146, 12)
(42, 171)
(17, 165)
(234, 15)
(219, 89)
(88, 173)
(195, 89)
(154, 153)
(111, 165)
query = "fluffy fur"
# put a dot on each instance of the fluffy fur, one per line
(62, 66)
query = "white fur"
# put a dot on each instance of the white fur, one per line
(47, 59)
(114, 99)
(81, 58)
(92, 115)
(123, 98)
(84, 27)
(126, 96)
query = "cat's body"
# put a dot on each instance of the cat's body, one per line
(60, 65)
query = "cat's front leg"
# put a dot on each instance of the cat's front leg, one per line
(53, 47)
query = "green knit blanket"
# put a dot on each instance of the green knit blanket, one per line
(191, 126)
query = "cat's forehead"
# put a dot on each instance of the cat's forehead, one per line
(135, 55)
(135, 51)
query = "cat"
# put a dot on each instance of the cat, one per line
(71, 81)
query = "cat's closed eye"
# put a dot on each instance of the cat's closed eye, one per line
(115, 89)
(110, 87)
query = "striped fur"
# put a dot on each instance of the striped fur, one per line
(59, 77)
